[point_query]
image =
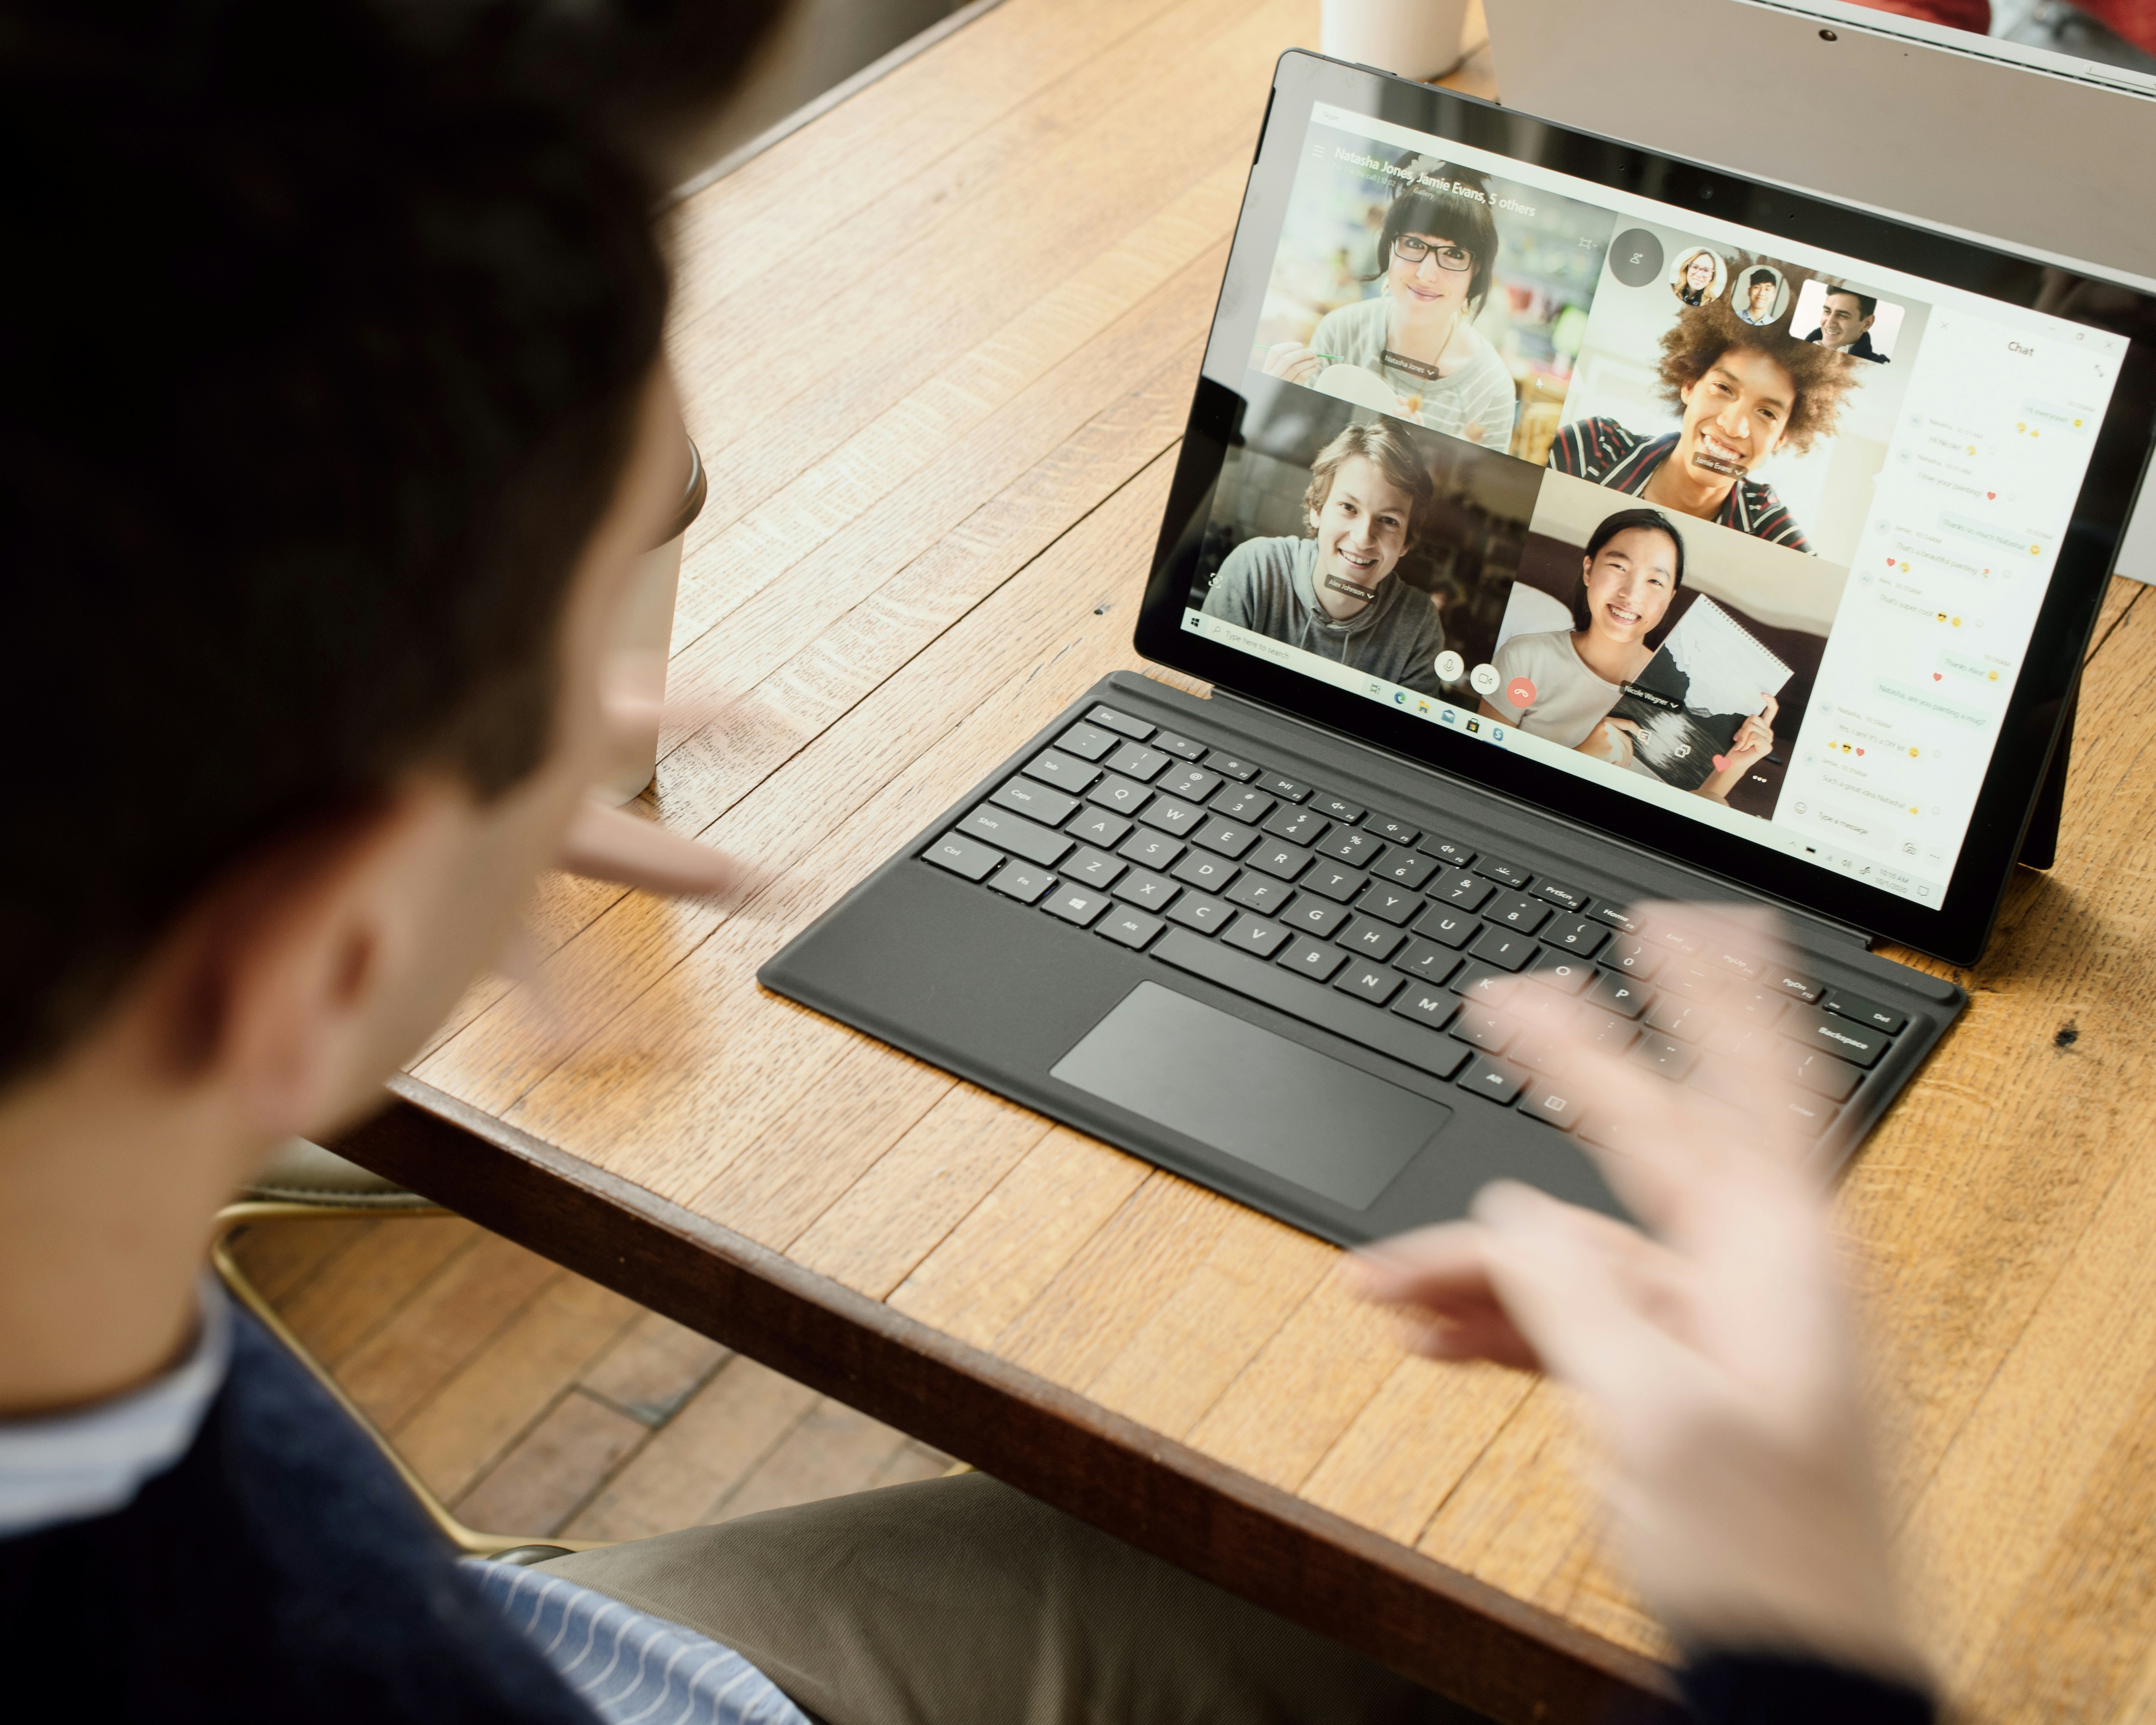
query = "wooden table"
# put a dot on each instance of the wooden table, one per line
(937, 347)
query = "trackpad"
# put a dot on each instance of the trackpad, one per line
(1251, 1095)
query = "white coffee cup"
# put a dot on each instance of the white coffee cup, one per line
(644, 637)
(1417, 38)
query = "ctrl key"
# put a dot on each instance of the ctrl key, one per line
(1081, 905)
(963, 856)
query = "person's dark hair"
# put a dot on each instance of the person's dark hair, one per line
(1759, 277)
(1453, 203)
(1866, 304)
(1624, 521)
(1820, 376)
(1393, 451)
(321, 346)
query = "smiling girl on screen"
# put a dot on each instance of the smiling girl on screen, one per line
(1417, 334)
(1335, 594)
(1744, 393)
(1629, 574)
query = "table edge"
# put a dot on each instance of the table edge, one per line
(1426, 1619)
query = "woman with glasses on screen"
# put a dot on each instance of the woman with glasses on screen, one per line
(1417, 334)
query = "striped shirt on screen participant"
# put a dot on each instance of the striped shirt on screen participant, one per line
(1605, 452)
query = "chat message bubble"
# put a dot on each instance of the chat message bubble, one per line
(1984, 533)
(1925, 700)
(1976, 670)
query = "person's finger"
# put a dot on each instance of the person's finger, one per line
(1767, 713)
(612, 844)
(1629, 726)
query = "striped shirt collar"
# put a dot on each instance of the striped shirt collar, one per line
(69, 1467)
(1740, 509)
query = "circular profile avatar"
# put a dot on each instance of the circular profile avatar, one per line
(1335, 594)
(1759, 294)
(1743, 393)
(1700, 276)
(1415, 337)
(1629, 575)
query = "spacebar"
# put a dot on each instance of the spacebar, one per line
(1311, 1003)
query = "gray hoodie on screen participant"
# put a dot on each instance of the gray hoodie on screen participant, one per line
(1269, 586)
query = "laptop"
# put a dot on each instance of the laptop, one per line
(1562, 527)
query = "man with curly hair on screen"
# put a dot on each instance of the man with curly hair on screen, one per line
(1744, 393)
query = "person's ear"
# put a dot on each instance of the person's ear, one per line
(301, 973)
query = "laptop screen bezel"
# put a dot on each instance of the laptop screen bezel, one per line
(1956, 929)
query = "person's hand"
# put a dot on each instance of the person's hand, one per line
(1755, 738)
(1610, 740)
(1294, 362)
(1714, 1350)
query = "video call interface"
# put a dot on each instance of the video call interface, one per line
(1757, 537)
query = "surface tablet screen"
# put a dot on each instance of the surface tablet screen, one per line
(1748, 530)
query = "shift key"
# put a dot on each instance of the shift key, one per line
(1015, 833)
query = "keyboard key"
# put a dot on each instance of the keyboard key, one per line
(1674, 1015)
(1517, 910)
(1633, 957)
(1135, 761)
(1622, 996)
(1858, 1044)
(1141, 886)
(1576, 935)
(1126, 796)
(1407, 869)
(1204, 871)
(1349, 1020)
(1330, 880)
(1551, 1104)
(1337, 809)
(1478, 1027)
(963, 856)
(1477, 982)
(1193, 782)
(1310, 958)
(1036, 801)
(1832, 1078)
(1298, 826)
(1671, 938)
(1182, 748)
(1448, 850)
(1686, 978)
(1080, 905)
(1453, 928)
(1814, 1114)
(1172, 814)
(1067, 772)
(1194, 910)
(1354, 848)
(1494, 1079)
(1564, 898)
(1427, 961)
(1023, 882)
(1369, 982)
(1502, 947)
(1845, 1004)
(1507, 874)
(1605, 1031)
(1261, 892)
(1129, 928)
(1426, 1005)
(1089, 742)
(1254, 934)
(1014, 833)
(1393, 832)
(1381, 898)
(1555, 970)
(1736, 963)
(1618, 917)
(1284, 862)
(1315, 916)
(1093, 868)
(1464, 891)
(1103, 827)
(1122, 722)
(1286, 789)
(1758, 1006)
(1151, 850)
(1228, 836)
(1664, 1054)
(1792, 982)
(1231, 765)
(1244, 804)
(1374, 940)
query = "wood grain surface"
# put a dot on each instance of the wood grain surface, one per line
(937, 347)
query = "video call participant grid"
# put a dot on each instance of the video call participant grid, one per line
(1389, 936)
